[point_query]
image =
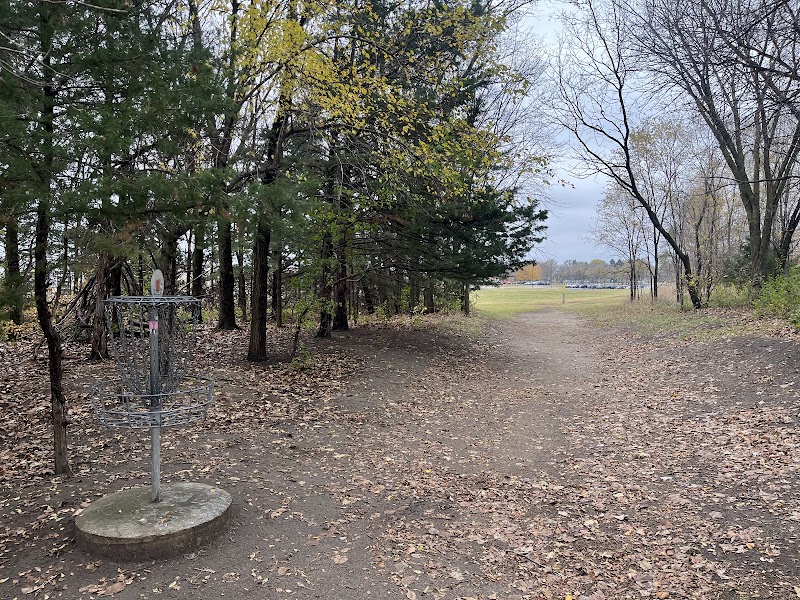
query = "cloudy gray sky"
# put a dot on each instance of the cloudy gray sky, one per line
(572, 215)
(572, 207)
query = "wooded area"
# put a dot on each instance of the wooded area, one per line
(341, 151)
(345, 157)
(314, 161)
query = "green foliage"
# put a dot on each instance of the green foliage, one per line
(780, 297)
(383, 313)
(731, 295)
(737, 268)
(363, 127)
(418, 310)
(303, 359)
(9, 331)
(13, 295)
(210, 314)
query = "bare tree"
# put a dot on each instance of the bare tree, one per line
(743, 89)
(765, 36)
(662, 161)
(594, 79)
(620, 228)
(681, 171)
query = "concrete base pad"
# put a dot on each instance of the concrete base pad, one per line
(128, 526)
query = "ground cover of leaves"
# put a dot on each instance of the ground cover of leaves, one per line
(548, 460)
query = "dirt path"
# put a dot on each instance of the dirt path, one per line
(549, 460)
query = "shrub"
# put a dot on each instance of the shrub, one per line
(730, 295)
(303, 359)
(780, 297)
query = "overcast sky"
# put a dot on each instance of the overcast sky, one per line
(572, 207)
(572, 215)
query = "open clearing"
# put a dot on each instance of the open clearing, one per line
(549, 458)
(510, 300)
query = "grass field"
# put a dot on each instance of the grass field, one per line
(509, 300)
(612, 307)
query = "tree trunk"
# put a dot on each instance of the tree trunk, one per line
(785, 245)
(632, 278)
(242, 283)
(227, 305)
(760, 266)
(325, 289)
(257, 349)
(196, 288)
(277, 290)
(54, 349)
(353, 298)
(102, 284)
(58, 402)
(694, 292)
(656, 240)
(414, 294)
(369, 297)
(340, 294)
(325, 324)
(115, 278)
(140, 271)
(189, 237)
(213, 288)
(465, 300)
(428, 298)
(169, 261)
(13, 280)
(655, 276)
(678, 286)
(382, 296)
(397, 296)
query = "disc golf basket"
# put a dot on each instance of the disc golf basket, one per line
(152, 339)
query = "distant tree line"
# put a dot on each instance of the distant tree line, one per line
(637, 277)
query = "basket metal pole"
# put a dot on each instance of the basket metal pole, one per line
(151, 393)
(155, 406)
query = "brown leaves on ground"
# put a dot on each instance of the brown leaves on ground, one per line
(548, 461)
